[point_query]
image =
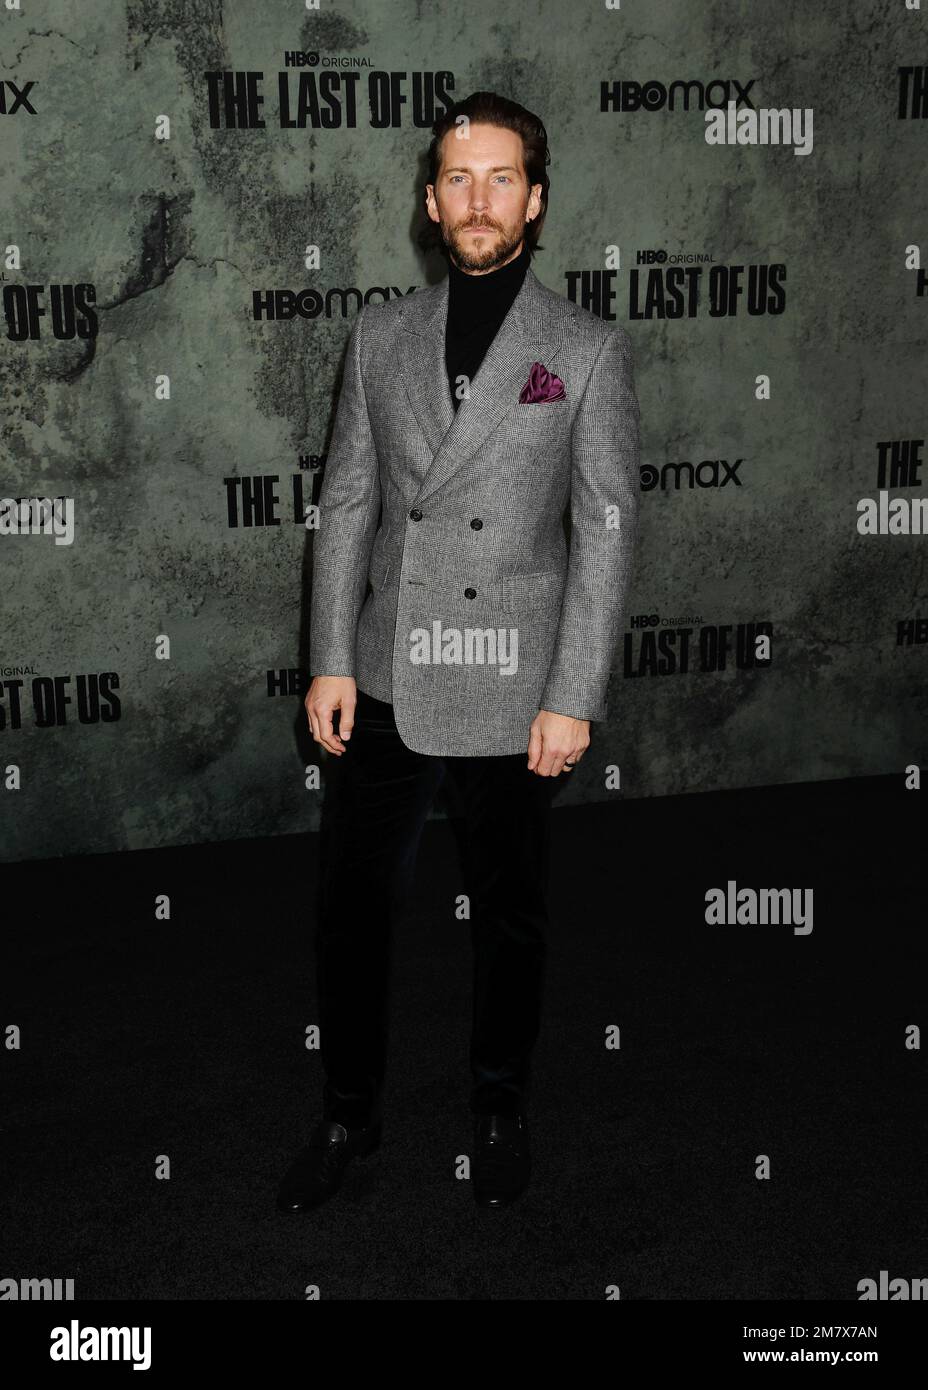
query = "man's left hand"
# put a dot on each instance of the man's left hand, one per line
(555, 742)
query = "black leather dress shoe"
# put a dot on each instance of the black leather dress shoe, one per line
(502, 1164)
(317, 1170)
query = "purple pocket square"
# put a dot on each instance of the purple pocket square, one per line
(542, 385)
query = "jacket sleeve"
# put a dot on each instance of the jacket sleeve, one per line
(349, 511)
(604, 501)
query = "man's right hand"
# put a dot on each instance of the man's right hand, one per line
(327, 694)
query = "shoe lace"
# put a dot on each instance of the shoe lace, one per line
(332, 1159)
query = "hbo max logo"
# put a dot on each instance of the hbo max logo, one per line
(310, 304)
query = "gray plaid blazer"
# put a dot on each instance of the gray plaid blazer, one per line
(445, 579)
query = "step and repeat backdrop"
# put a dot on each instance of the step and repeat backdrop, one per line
(197, 199)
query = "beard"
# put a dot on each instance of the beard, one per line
(471, 254)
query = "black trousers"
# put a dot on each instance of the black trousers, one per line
(376, 802)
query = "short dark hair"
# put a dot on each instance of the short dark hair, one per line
(488, 108)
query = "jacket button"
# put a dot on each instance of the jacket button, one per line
(470, 593)
(416, 514)
(476, 524)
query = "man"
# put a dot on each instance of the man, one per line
(472, 416)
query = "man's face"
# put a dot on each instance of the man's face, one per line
(481, 199)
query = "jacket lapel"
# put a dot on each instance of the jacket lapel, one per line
(527, 333)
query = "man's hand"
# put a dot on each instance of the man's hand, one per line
(554, 739)
(327, 694)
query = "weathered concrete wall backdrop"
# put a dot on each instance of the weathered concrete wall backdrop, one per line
(165, 165)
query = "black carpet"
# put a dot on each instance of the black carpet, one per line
(184, 1038)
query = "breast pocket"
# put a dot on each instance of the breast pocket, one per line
(541, 423)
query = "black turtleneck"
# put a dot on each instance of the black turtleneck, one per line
(477, 305)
